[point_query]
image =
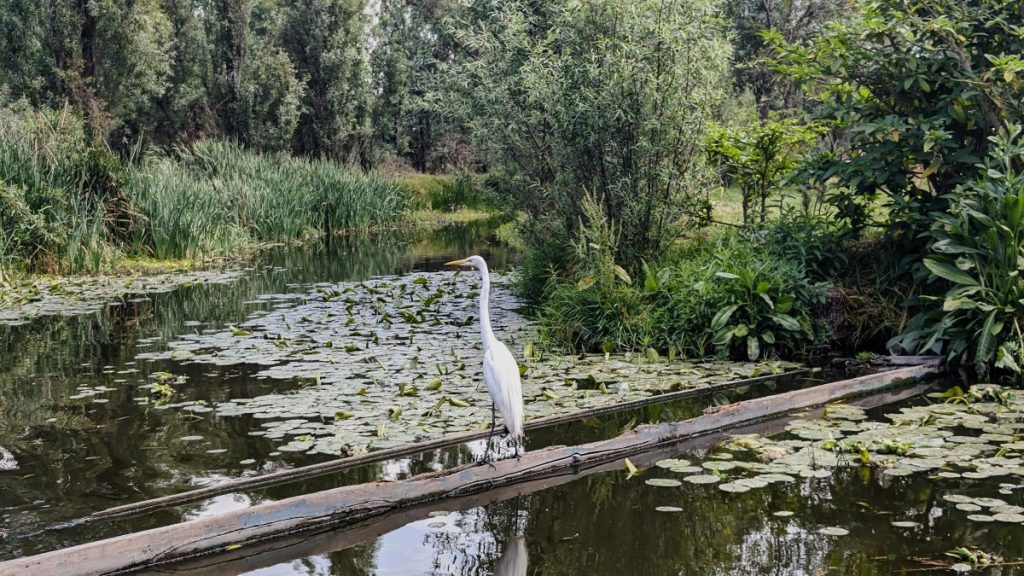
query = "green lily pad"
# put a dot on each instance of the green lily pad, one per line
(833, 531)
(905, 524)
(663, 482)
(702, 479)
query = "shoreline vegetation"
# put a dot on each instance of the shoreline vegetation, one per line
(682, 177)
(70, 207)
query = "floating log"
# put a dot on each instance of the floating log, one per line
(331, 539)
(350, 505)
(341, 464)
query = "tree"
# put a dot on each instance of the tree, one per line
(794, 21)
(757, 159)
(916, 90)
(325, 40)
(600, 99)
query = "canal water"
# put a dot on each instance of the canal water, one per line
(83, 429)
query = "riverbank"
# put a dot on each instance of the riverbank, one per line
(69, 206)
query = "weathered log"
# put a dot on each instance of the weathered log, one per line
(341, 464)
(331, 539)
(353, 504)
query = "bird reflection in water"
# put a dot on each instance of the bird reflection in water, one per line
(514, 560)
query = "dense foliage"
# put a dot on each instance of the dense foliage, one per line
(728, 294)
(605, 100)
(66, 205)
(977, 254)
(306, 76)
(915, 90)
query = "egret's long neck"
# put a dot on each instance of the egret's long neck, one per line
(486, 333)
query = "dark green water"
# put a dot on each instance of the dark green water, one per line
(75, 458)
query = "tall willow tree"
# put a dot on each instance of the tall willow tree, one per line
(602, 99)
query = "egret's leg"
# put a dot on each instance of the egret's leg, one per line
(490, 435)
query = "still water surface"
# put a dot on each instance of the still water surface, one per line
(75, 458)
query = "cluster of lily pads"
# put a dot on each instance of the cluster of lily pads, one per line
(959, 436)
(76, 296)
(398, 359)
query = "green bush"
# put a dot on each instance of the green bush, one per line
(720, 295)
(818, 244)
(61, 197)
(976, 253)
(601, 100)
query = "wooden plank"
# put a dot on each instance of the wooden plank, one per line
(341, 464)
(348, 505)
(332, 539)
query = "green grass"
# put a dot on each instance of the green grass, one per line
(70, 206)
(217, 197)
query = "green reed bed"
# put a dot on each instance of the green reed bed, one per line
(70, 205)
(217, 196)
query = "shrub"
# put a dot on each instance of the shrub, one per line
(720, 295)
(915, 88)
(60, 196)
(976, 250)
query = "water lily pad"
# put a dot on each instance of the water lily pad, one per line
(733, 487)
(663, 482)
(719, 465)
(1013, 518)
(688, 470)
(190, 438)
(782, 513)
(672, 463)
(968, 507)
(905, 524)
(702, 479)
(956, 498)
(668, 509)
(980, 518)
(833, 531)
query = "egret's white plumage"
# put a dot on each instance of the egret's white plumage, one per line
(501, 372)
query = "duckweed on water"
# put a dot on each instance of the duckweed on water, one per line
(394, 360)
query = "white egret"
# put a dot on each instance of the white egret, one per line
(501, 372)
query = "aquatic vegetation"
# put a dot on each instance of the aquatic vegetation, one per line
(74, 296)
(397, 359)
(965, 437)
(217, 196)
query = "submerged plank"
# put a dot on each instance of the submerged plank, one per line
(341, 464)
(349, 505)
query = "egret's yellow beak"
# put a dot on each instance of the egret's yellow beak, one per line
(462, 262)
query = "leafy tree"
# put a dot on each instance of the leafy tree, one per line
(326, 42)
(757, 159)
(792, 20)
(917, 89)
(409, 40)
(601, 98)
